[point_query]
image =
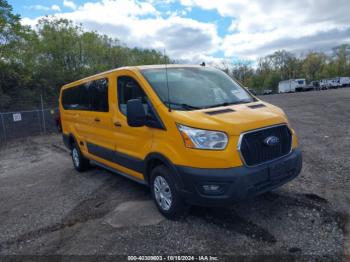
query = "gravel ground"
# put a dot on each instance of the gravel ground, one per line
(48, 208)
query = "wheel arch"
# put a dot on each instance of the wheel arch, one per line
(69, 140)
(154, 159)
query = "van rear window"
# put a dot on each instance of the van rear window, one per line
(90, 96)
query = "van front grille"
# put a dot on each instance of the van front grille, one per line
(254, 149)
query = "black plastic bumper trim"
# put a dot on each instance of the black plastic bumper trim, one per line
(242, 182)
(116, 157)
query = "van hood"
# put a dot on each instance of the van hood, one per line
(233, 119)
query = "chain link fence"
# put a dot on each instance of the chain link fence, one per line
(24, 123)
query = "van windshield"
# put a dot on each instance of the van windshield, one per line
(193, 88)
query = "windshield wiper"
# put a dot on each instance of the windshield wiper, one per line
(230, 103)
(183, 105)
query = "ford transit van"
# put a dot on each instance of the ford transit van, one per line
(191, 133)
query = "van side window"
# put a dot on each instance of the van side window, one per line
(98, 91)
(129, 89)
(90, 96)
(76, 98)
(84, 99)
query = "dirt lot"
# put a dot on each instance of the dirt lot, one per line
(48, 208)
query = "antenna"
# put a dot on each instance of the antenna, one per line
(167, 82)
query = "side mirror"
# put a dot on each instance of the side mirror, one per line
(136, 115)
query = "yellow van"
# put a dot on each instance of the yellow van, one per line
(191, 133)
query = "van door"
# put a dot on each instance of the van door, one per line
(132, 144)
(97, 121)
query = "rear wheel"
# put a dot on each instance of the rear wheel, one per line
(80, 163)
(168, 200)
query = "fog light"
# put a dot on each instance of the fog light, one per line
(211, 188)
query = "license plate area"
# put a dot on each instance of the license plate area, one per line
(279, 170)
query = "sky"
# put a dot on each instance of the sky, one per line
(206, 30)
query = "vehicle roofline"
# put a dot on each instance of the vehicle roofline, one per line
(130, 68)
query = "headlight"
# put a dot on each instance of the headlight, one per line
(203, 139)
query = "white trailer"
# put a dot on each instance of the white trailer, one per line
(324, 84)
(343, 81)
(291, 85)
(328, 83)
(314, 85)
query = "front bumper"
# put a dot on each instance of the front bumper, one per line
(237, 183)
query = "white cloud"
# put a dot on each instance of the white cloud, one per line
(160, 2)
(69, 4)
(29, 21)
(260, 27)
(140, 24)
(44, 8)
(55, 8)
(38, 7)
(208, 59)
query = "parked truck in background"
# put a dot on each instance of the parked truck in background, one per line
(342, 81)
(328, 83)
(314, 85)
(297, 85)
(292, 85)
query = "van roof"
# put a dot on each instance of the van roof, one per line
(131, 68)
(163, 66)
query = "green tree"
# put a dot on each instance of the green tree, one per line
(342, 59)
(313, 65)
(15, 50)
(283, 62)
(57, 52)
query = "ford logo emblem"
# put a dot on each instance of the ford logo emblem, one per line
(271, 140)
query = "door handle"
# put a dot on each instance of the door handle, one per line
(97, 119)
(117, 124)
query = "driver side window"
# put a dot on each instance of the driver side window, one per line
(129, 89)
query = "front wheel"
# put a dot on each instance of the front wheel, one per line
(168, 200)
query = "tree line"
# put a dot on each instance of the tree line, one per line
(281, 65)
(39, 61)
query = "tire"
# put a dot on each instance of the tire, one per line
(177, 208)
(80, 163)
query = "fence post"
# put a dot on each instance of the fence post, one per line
(3, 126)
(39, 121)
(42, 113)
